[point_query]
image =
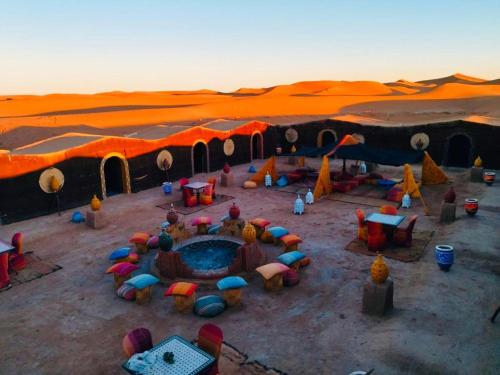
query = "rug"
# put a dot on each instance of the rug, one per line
(179, 205)
(35, 269)
(232, 361)
(403, 254)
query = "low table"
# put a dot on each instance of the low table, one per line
(188, 358)
(392, 220)
(197, 186)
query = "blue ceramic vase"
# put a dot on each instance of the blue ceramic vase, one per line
(444, 256)
(167, 188)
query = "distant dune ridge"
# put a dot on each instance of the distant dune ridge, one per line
(28, 118)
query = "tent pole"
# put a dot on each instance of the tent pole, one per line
(343, 166)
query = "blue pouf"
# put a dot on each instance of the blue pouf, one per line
(444, 256)
(209, 306)
(77, 217)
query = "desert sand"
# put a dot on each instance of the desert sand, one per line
(28, 118)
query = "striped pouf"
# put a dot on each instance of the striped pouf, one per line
(209, 306)
(126, 292)
(290, 278)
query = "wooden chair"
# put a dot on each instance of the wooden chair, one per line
(183, 181)
(189, 198)
(17, 262)
(362, 227)
(377, 239)
(213, 182)
(388, 210)
(404, 236)
(210, 338)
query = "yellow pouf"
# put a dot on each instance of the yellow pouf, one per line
(379, 270)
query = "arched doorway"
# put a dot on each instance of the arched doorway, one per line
(115, 177)
(199, 158)
(459, 151)
(257, 146)
(326, 137)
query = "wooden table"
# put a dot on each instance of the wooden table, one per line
(197, 186)
(391, 220)
(188, 358)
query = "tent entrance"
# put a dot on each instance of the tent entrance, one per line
(459, 151)
(257, 142)
(114, 176)
(199, 158)
(326, 137)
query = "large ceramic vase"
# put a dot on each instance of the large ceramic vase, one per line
(444, 256)
(471, 206)
(489, 178)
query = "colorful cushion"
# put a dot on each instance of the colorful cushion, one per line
(278, 232)
(290, 239)
(181, 288)
(132, 258)
(267, 237)
(122, 268)
(260, 222)
(231, 282)
(249, 185)
(268, 271)
(201, 220)
(282, 181)
(142, 281)
(139, 237)
(153, 242)
(122, 252)
(137, 341)
(305, 262)
(291, 257)
(214, 229)
(291, 278)
(127, 292)
(209, 306)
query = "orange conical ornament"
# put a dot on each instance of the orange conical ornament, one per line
(478, 163)
(379, 270)
(95, 203)
(55, 185)
(249, 233)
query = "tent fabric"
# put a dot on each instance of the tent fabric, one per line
(379, 155)
(431, 173)
(347, 140)
(269, 166)
(323, 184)
(409, 184)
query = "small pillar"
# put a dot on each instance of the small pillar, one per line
(184, 304)
(448, 212)
(227, 179)
(275, 283)
(476, 174)
(378, 298)
(95, 219)
(232, 297)
(119, 280)
(232, 227)
(143, 296)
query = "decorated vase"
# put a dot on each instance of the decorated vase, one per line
(249, 233)
(226, 168)
(167, 188)
(234, 212)
(489, 178)
(379, 270)
(95, 203)
(444, 256)
(471, 206)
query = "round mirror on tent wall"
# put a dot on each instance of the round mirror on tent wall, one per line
(419, 141)
(51, 180)
(164, 160)
(228, 147)
(291, 135)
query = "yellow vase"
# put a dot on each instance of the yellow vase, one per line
(249, 233)
(55, 185)
(379, 270)
(478, 163)
(95, 203)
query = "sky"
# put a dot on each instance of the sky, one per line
(94, 46)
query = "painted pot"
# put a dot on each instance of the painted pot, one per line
(444, 256)
(489, 178)
(234, 212)
(226, 168)
(167, 187)
(471, 206)
(172, 216)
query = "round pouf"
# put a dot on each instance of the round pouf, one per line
(444, 256)
(291, 278)
(209, 306)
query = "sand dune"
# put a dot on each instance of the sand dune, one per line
(26, 118)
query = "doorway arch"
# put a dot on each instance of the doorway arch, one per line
(256, 146)
(199, 157)
(326, 137)
(459, 151)
(115, 175)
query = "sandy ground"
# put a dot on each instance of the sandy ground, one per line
(29, 118)
(71, 321)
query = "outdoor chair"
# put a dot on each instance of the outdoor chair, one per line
(206, 196)
(404, 236)
(17, 262)
(213, 182)
(362, 226)
(183, 181)
(377, 239)
(189, 198)
(210, 338)
(137, 341)
(388, 210)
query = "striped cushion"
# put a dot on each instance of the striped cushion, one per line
(127, 292)
(181, 288)
(291, 278)
(209, 306)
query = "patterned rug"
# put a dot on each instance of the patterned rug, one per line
(179, 205)
(35, 269)
(403, 254)
(232, 361)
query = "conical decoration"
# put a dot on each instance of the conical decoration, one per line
(323, 184)
(294, 149)
(379, 270)
(55, 185)
(431, 173)
(478, 163)
(249, 233)
(95, 203)
(270, 166)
